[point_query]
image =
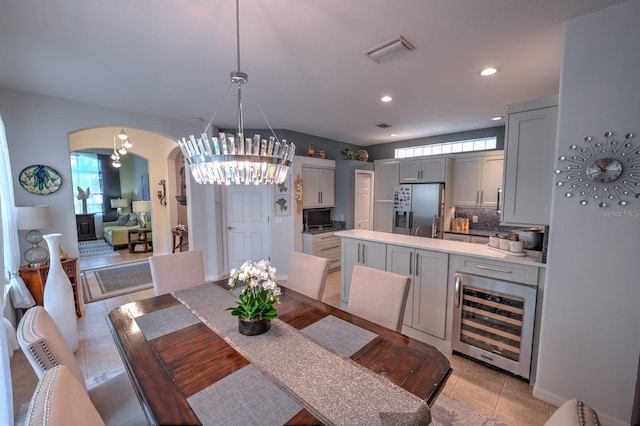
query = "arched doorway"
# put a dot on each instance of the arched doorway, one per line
(160, 153)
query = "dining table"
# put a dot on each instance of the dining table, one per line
(316, 365)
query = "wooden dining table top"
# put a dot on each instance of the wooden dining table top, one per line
(167, 370)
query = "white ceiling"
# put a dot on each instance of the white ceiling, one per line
(305, 59)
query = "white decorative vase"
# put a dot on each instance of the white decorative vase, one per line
(58, 295)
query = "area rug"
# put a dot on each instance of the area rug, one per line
(98, 284)
(450, 412)
(96, 248)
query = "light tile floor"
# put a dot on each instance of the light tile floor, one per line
(507, 399)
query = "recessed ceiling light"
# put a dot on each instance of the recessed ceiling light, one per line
(386, 98)
(393, 135)
(488, 71)
(497, 118)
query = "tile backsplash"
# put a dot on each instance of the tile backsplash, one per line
(488, 220)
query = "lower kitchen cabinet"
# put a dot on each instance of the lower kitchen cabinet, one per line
(427, 301)
(359, 252)
(324, 245)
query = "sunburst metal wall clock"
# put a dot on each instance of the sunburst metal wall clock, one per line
(602, 173)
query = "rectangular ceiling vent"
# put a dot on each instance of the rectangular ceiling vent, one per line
(390, 50)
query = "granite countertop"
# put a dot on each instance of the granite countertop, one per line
(533, 258)
(322, 230)
(478, 232)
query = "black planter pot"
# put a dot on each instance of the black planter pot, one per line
(253, 327)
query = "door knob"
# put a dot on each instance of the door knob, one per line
(230, 227)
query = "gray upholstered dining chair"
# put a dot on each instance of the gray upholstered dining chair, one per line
(60, 400)
(175, 271)
(307, 274)
(378, 296)
(45, 347)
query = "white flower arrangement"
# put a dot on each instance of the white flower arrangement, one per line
(262, 291)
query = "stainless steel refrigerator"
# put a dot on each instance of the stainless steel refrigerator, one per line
(418, 209)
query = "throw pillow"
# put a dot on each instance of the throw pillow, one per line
(110, 217)
(133, 220)
(123, 219)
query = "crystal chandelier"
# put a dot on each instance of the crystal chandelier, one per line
(234, 159)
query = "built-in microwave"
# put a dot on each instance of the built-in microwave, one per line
(316, 218)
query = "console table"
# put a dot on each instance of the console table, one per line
(35, 279)
(180, 240)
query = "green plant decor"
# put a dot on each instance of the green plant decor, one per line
(348, 154)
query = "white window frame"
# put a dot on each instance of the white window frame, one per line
(454, 147)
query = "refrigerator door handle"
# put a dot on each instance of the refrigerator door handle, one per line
(410, 221)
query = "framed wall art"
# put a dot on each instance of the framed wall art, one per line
(281, 198)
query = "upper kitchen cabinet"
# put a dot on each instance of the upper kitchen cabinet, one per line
(424, 170)
(387, 173)
(529, 153)
(318, 187)
(477, 179)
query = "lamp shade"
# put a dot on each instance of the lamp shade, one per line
(34, 217)
(119, 203)
(141, 206)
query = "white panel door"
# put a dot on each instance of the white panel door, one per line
(363, 207)
(247, 224)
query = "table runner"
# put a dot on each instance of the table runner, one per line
(332, 387)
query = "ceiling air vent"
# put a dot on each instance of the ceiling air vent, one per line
(383, 125)
(390, 50)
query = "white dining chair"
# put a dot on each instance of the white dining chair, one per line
(45, 347)
(307, 274)
(176, 271)
(60, 400)
(378, 296)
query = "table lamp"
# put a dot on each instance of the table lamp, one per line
(142, 207)
(33, 218)
(119, 203)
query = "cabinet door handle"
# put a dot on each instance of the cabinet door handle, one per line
(410, 262)
(358, 252)
(498, 209)
(456, 294)
(492, 268)
(477, 197)
(417, 271)
(364, 261)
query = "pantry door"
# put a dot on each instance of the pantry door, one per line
(247, 223)
(363, 203)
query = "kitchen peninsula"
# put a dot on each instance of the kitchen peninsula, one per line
(434, 266)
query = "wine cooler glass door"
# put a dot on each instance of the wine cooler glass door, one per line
(493, 322)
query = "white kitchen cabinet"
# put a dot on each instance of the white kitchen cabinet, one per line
(325, 245)
(424, 170)
(387, 174)
(427, 301)
(318, 187)
(529, 156)
(477, 178)
(359, 252)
